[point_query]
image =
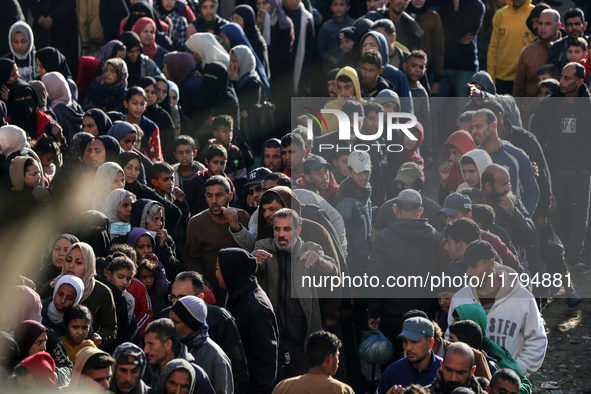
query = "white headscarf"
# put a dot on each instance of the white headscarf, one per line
(89, 269)
(113, 202)
(105, 175)
(210, 50)
(58, 317)
(12, 139)
(246, 60)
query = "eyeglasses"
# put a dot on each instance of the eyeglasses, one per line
(172, 298)
(257, 189)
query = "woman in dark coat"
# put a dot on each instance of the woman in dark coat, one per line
(244, 16)
(159, 116)
(50, 59)
(179, 67)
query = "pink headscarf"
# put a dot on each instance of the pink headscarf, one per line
(140, 25)
(57, 88)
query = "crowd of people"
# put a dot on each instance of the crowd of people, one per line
(173, 200)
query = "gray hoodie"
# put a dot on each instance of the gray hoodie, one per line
(173, 365)
(481, 159)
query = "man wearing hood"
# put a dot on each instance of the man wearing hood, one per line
(509, 36)
(482, 88)
(374, 40)
(283, 262)
(177, 377)
(472, 165)
(93, 370)
(189, 314)
(534, 55)
(271, 155)
(162, 345)
(408, 247)
(130, 365)
(513, 318)
(254, 315)
(477, 314)
(558, 125)
(348, 89)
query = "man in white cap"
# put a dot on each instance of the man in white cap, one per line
(407, 248)
(189, 314)
(420, 365)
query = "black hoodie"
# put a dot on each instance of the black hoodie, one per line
(254, 315)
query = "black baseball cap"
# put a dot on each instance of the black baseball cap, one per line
(257, 176)
(476, 251)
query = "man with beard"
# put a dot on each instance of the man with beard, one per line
(271, 155)
(283, 261)
(162, 345)
(513, 318)
(420, 365)
(408, 31)
(523, 181)
(509, 211)
(575, 26)
(130, 365)
(457, 370)
(202, 247)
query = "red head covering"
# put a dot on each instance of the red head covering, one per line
(86, 70)
(42, 367)
(140, 25)
(26, 334)
(413, 155)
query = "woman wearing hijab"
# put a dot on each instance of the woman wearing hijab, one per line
(112, 49)
(90, 70)
(205, 48)
(141, 9)
(69, 113)
(67, 292)
(80, 262)
(20, 98)
(138, 64)
(168, 9)
(117, 208)
(96, 122)
(33, 337)
(76, 164)
(159, 116)
(145, 28)
(244, 16)
(180, 120)
(103, 148)
(55, 259)
(22, 49)
(109, 93)
(162, 96)
(220, 100)
(244, 78)
(130, 162)
(126, 134)
(233, 35)
(50, 59)
(92, 227)
(109, 177)
(179, 67)
(13, 141)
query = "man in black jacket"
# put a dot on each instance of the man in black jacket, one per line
(408, 247)
(254, 316)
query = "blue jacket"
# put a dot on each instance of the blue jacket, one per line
(403, 373)
(327, 43)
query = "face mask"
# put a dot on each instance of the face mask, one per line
(154, 233)
(120, 228)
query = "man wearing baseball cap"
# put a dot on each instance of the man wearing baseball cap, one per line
(420, 365)
(514, 320)
(410, 175)
(130, 365)
(408, 247)
(319, 179)
(354, 205)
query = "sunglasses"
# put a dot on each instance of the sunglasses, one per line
(257, 189)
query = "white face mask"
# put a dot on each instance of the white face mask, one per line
(154, 233)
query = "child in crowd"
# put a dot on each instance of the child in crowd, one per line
(187, 166)
(222, 126)
(215, 160)
(450, 175)
(577, 52)
(147, 272)
(77, 323)
(327, 43)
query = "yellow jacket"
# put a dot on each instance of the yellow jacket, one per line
(509, 36)
(89, 21)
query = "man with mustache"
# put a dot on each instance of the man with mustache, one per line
(130, 365)
(207, 233)
(457, 370)
(283, 261)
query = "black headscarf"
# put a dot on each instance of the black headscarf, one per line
(166, 103)
(139, 10)
(102, 121)
(237, 267)
(92, 227)
(126, 157)
(247, 14)
(78, 146)
(216, 84)
(6, 66)
(22, 107)
(53, 60)
(134, 70)
(112, 147)
(147, 81)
